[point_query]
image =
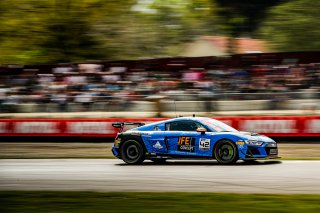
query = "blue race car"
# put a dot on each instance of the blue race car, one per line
(190, 137)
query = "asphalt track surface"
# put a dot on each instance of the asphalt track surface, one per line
(286, 177)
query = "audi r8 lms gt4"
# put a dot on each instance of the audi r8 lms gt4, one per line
(190, 137)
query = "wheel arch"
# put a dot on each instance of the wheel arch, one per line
(137, 138)
(136, 143)
(221, 139)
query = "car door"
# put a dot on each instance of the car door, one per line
(156, 142)
(182, 139)
(155, 138)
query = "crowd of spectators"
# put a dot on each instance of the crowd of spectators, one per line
(85, 84)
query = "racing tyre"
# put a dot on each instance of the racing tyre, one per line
(132, 152)
(159, 160)
(226, 152)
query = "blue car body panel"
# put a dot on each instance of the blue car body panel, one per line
(158, 142)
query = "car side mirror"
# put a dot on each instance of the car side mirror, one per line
(202, 130)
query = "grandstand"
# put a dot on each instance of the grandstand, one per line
(242, 82)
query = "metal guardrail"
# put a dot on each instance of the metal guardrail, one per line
(186, 96)
(207, 102)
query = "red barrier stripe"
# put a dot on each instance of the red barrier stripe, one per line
(301, 126)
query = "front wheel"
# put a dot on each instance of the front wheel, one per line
(132, 152)
(226, 152)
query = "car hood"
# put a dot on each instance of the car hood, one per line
(249, 136)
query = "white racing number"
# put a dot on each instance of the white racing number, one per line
(204, 144)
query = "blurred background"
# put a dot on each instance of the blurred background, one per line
(206, 55)
(70, 68)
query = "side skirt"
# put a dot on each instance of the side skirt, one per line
(185, 157)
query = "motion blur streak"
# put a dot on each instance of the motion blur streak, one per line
(292, 177)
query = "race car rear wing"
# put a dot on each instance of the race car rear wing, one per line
(121, 125)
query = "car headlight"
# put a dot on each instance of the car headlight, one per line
(254, 143)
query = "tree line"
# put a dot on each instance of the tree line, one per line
(51, 31)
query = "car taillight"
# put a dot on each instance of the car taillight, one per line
(117, 141)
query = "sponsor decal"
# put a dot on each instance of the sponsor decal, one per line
(204, 144)
(36, 127)
(157, 145)
(240, 143)
(135, 133)
(186, 144)
(144, 133)
(313, 126)
(89, 127)
(269, 126)
(3, 127)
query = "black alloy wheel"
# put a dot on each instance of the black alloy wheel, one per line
(132, 152)
(226, 152)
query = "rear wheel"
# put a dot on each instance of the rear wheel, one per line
(132, 152)
(226, 152)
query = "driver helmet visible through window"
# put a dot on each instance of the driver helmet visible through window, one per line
(183, 126)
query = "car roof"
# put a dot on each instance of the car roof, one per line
(187, 118)
(175, 119)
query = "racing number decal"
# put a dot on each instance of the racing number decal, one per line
(204, 144)
(186, 144)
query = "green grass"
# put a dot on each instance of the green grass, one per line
(91, 202)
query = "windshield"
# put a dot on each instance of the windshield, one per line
(218, 126)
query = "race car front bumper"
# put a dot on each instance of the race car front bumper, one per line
(262, 152)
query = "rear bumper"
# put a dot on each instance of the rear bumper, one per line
(115, 152)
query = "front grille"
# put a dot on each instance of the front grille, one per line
(252, 151)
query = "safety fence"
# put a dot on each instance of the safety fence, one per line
(165, 105)
(286, 126)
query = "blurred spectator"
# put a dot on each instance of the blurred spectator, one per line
(61, 99)
(90, 68)
(85, 99)
(11, 102)
(60, 70)
(120, 86)
(3, 96)
(118, 69)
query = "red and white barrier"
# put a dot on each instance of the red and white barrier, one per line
(304, 126)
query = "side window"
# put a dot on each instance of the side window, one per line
(183, 126)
